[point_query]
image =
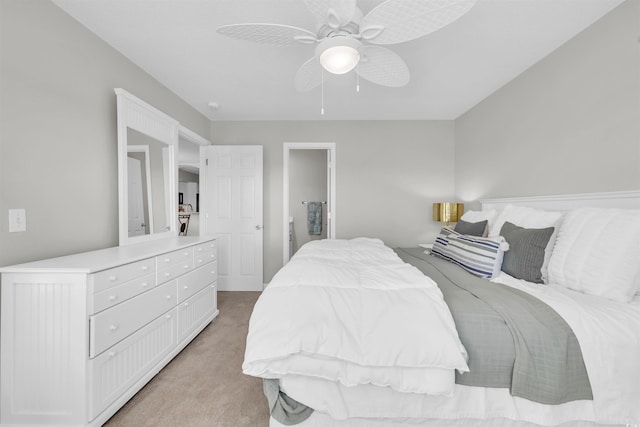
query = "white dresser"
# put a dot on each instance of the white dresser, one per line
(82, 334)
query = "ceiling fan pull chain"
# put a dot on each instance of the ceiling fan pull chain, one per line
(322, 96)
(358, 78)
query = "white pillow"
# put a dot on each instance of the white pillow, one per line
(530, 218)
(524, 217)
(598, 252)
(477, 216)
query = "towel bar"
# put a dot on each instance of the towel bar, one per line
(304, 202)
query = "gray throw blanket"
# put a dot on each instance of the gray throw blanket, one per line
(514, 340)
(314, 218)
(283, 408)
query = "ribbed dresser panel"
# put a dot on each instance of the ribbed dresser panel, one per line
(43, 359)
(125, 363)
(195, 310)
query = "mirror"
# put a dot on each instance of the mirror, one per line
(147, 184)
(189, 182)
(147, 171)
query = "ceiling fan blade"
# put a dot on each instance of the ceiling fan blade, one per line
(282, 35)
(333, 12)
(308, 76)
(384, 67)
(404, 20)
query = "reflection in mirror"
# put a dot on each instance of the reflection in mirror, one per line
(147, 145)
(147, 162)
(188, 188)
(139, 191)
(189, 181)
(188, 176)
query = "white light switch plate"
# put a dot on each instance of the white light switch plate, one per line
(17, 220)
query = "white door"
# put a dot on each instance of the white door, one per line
(231, 197)
(137, 226)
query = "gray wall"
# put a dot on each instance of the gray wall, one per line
(58, 146)
(184, 176)
(569, 124)
(388, 174)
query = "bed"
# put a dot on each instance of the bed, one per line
(353, 333)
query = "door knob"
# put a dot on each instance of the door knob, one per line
(258, 227)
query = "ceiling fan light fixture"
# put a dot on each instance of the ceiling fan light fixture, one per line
(339, 54)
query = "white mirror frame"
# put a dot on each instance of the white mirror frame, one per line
(136, 114)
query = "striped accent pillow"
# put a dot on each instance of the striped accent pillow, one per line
(480, 256)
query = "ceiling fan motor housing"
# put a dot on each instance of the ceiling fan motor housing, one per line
(326, 29)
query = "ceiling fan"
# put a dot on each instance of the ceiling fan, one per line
(345, 39)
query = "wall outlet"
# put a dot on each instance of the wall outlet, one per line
(17, 220)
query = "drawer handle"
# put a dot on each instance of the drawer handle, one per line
(113, 278)
(186, 304)
(167, 274)
(213, 272)
(113, 328)
(145, 267)
(187, 266)
(186, 254)
(199, 261)
(113, 297)
(168, 296)
(200, 249)
(167, 260)
(168, 316)
(112, 353)
(144, 284)
(186, 287)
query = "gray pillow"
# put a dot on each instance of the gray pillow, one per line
(525, 256)
(471, 228)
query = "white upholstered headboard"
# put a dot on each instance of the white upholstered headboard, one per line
(614, 199)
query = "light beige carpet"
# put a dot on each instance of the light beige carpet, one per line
(204, 385)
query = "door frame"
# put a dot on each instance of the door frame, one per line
(331, 189)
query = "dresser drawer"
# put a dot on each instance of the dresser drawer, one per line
(175, 271)
(193, 282)
(205, 247)
(205, 258)
(112, 325)
(176, 257)
(116, 370)
(116, 276)
(116, 295)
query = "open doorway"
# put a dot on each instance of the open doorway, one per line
(308, 194)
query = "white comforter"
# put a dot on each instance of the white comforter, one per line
(609, 336)
(367, 316)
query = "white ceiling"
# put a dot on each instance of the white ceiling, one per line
(451, 70)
